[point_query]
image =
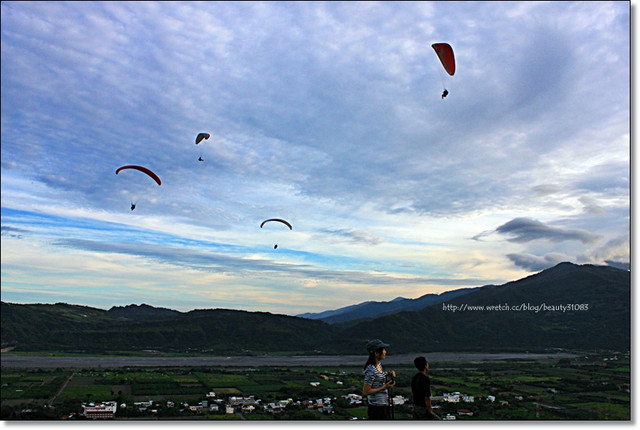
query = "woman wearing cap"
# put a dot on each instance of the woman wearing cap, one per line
(377, 382)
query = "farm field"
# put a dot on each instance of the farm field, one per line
(591, 387)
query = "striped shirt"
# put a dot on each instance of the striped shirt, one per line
(376, 379)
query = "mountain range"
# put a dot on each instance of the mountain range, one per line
(373, 309)
(568, 306)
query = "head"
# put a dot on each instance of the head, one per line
(421, 363)
(377, 351)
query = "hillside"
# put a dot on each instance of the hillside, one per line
(599, 319)
(368, 310)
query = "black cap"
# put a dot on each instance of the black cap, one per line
(375, 344)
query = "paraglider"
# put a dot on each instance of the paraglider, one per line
(199, 138)
(445, 54)
(276, 220)
(143, 170)
(202, 136)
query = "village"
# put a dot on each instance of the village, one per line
(242, 405)
(550, 389)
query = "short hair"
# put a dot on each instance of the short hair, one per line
(420, 363)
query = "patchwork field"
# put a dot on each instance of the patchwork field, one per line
(595, 387)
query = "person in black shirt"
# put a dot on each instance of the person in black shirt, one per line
(421, 391)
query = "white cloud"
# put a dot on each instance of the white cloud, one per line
(328, 114)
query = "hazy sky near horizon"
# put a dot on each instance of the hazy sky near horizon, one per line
(326, 114)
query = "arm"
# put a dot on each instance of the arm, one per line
(367, 390)
(427, 400)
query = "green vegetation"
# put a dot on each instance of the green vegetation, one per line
(596, 387)
(598, 318)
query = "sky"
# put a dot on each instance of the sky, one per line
(326, 114)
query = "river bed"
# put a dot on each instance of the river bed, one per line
(93, 362)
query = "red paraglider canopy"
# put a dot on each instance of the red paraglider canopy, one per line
(201, 136)
(142, 169)
(445, 54)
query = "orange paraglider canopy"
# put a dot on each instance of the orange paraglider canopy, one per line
(445, 54)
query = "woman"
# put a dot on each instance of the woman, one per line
(377, 382)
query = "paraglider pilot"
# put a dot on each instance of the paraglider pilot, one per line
(445, 93)
(133, 206)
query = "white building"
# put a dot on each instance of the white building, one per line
(105, 410)
(354, 399)
(398, 400)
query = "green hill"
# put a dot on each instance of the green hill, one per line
(596, 315)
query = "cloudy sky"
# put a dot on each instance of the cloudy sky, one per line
(328, 115)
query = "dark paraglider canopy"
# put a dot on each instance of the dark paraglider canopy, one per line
(143, 170)
(201, 136)
(277, 220)
(445, 54)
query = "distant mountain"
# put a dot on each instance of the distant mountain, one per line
(568, 306)
(368, 310)
(142, 312)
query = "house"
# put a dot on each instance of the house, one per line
(105, 410)
(354, 399)
(143, 405)
(314, 384)
(274, 408)
(243, 401)
(452, 397)
(465, 412)
(398, 400)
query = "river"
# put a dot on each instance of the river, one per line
(93, 362)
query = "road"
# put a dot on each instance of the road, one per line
(50, 402)
(93, 362)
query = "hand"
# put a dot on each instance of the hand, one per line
(390, 383)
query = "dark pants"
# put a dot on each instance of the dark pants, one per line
(422, 413)
(379, 412)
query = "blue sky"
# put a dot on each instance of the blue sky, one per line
(328, 115)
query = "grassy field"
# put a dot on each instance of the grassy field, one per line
(587, 388)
